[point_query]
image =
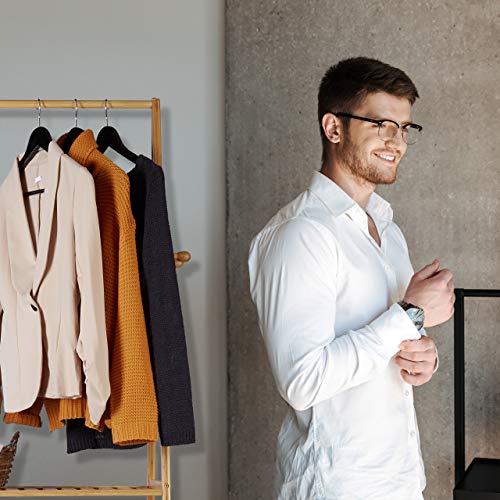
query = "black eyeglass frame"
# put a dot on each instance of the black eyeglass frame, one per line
(380, 122)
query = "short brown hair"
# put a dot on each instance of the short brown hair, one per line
(347, 83)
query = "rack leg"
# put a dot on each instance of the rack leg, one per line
(157, 158)
(165, 472)
(151, 465)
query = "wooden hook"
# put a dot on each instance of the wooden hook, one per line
(181, 257)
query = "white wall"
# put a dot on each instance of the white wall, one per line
(137, 50)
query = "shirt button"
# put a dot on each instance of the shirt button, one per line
(407, 392)
(33, 307)
(412, 433)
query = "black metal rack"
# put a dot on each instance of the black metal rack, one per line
(481, 480)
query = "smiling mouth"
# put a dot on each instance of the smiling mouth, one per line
(386, 157)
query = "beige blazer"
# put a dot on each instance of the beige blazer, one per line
(52, 321)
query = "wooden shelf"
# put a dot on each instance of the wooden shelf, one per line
(154, 489)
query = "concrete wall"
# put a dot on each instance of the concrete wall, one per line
(446, 198)
(136, 50)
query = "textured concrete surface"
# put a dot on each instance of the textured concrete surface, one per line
(446, 198)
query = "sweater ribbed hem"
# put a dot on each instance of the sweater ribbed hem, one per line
(72, 408)
(60, 410)
(80, 438)
(22, 419)
(52, 408)
(177, 438)
(130, 432)
(84, 441)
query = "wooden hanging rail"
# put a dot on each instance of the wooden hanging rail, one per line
(154, 487)
(83, 104)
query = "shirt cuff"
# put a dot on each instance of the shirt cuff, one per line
(395, 326)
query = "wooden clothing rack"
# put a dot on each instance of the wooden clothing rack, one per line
(154, 487)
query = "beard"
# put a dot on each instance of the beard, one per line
(364, 169)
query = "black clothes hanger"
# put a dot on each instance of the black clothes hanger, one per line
(109, 137)
(73, 133)
(70, 138)
(39, 139)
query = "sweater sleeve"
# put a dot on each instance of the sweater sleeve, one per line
(164, 321)
(92, 347)
(134, 411)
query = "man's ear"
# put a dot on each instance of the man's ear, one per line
(331, 127)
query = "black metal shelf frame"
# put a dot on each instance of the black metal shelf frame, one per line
(459, 334)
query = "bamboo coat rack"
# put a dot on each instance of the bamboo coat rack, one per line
(154, 487)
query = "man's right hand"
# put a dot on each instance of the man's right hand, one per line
(433, 291)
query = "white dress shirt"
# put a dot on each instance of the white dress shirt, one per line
(326, 296)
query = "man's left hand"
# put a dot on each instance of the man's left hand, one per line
(418, 357)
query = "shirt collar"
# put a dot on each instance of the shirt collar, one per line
(339, 202)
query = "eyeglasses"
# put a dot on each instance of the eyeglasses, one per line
(387, 129)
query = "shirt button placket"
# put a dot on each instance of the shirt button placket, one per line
(391, 280)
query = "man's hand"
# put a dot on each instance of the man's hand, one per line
(432, 290)
(417, 357)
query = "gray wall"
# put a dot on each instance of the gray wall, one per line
(446, 198)
(136, 50)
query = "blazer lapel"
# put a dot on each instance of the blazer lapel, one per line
(47, 212)
(19, 242)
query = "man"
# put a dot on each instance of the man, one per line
(340, 308)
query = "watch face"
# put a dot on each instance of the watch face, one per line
(416, 315)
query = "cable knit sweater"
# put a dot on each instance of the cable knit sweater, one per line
(132, 412)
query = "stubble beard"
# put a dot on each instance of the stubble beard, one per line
(362, 169)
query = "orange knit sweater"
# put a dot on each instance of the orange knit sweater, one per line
(132, 412)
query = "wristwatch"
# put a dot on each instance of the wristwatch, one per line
(415, 313)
